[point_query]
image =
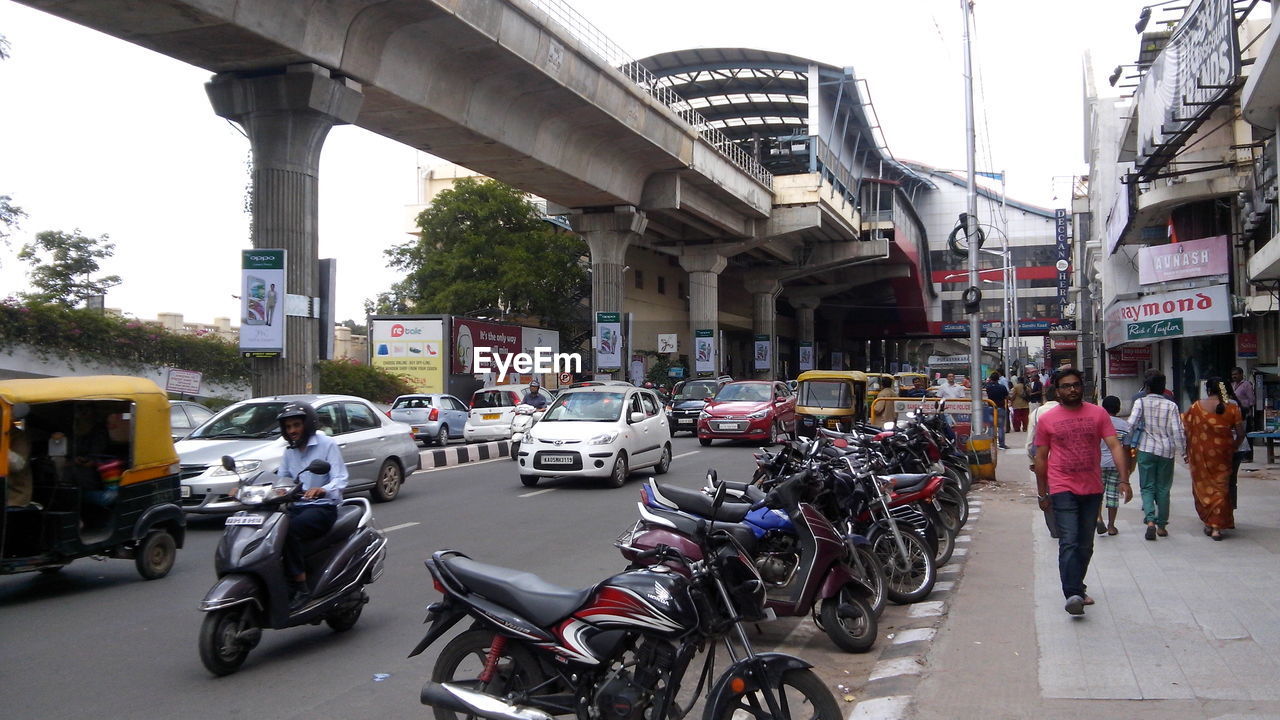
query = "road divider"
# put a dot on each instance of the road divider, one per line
(458, 454)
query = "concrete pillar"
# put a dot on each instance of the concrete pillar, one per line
(764, 320)
(836, 342)
(608, 235)
(287, 115)
(704, 268)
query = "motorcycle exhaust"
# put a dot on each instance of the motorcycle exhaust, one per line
(459, 699)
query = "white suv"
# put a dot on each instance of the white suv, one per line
(600, 431)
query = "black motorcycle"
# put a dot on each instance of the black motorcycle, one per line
(251, 592)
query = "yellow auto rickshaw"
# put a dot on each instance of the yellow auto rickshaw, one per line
(87, 466)
(832, 399)
(878, 382)
(907, 380)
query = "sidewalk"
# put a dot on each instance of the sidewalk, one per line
(1189, 626)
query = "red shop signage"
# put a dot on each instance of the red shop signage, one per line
(470, 334)
(1246, 345)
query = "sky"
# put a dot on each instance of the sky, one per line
(109, 138)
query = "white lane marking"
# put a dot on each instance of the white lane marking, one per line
(691, 452)
(537, 492)
(401, 526)
(462, 465)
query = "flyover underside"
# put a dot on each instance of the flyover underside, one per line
(894, 305)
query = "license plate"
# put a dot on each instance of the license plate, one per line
(730, 426)
(244, 520)
(186, 491)
(491, 417)
(557, 459)
(419, 428)
(684, 421)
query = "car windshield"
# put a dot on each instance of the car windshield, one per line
(696, 391)
(411, 403)
(586, 407)
(746, 392)
(825, 394)
(256, 420)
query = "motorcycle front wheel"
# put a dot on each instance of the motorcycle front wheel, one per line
(803, 696)
(223, 646)
(908, 579)
(874, 578)
(462, 661)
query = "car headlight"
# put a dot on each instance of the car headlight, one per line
(703, 415)
(759, 414)
(243, 467)
(529, 436)
(603, 439)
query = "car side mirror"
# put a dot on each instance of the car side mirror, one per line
(779, 399)
(228, 462)
(637, 417)
(318, 467)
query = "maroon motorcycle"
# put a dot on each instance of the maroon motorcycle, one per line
(807, 566)
(615, 651)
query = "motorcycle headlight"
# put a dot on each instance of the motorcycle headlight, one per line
(603, 439)
(243, 467)
(258, 494)
(759, 415)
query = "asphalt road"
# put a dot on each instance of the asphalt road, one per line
(95, 640)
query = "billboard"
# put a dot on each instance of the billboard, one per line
(494, 339)
(413, 349)
(1183, 260)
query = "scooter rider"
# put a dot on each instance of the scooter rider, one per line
(534, 397)
(313, 515)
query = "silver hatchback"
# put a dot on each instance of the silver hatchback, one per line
(434, 418)
(379, 452)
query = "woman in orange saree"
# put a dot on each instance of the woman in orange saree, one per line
(1214, 429)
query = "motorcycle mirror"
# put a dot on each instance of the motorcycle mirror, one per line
(711, 477)
(228, 462)
(318, 467)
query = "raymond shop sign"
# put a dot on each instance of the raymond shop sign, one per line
(1187, 313)
(1184, 260)
(472, 335)
(1135, 352)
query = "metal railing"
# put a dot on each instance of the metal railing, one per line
(600, 45)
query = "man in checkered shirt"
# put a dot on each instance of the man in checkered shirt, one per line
(1163, 439)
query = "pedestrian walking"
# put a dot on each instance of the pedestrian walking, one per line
(1242, 389)
(997, 394)
(1214, 428)
(1157, 426)
(1019, 406)
(1068, 465)
(1051, 402)
(1035, 388)
(1112, 490)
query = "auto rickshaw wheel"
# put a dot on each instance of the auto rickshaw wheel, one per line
(155, 555)
(222, 648)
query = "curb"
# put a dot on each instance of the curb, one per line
(899, 668)
(459, 454)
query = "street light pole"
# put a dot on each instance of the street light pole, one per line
(971, 232)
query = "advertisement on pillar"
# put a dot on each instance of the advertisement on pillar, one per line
(608, 341)
(764, 352)
(704, 345)
(668, 342)
(806, 355)
(262, 293)
(837, 360)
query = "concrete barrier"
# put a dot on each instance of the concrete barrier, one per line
(437, 457)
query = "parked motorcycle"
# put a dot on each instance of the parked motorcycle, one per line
(251, 592)
(619, 650)
(523, 417)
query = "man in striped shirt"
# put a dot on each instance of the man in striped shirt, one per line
(1163, 439)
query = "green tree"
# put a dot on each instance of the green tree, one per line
(62, 266)
(10, 216)
(485, 249)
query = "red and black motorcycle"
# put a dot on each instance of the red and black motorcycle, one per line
(615, 651)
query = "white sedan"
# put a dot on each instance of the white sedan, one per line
(602, 431)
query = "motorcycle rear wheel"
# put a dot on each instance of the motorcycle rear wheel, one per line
(955, 506)
(907, 580)
(344, 620)
(803, 693)
(463, 659)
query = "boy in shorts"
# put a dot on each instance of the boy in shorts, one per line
(1111, 487)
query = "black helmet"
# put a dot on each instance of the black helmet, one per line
(310, 422)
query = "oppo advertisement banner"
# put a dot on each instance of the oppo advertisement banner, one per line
(704, 346)
(608, 340)
(806, 356)
(764, 352)
(491, 340)
(262, 292)
(412, 348)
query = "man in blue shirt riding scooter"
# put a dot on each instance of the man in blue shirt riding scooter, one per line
(313, 515)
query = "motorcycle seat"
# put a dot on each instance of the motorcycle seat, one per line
(909, 482)
(535, 599)
(689, 526)
(695, 502)
(343, 527)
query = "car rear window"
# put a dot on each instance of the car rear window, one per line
(491, 398)
(412, 403)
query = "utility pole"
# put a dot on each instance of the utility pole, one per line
(971, 232)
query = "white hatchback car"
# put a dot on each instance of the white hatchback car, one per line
(600, 431)
(492, 408)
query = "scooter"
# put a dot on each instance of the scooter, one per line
(523, 417)
(251, 592)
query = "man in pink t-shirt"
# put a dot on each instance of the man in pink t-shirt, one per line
(1068, 466)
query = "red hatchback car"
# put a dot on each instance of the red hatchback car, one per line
(749, 410)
